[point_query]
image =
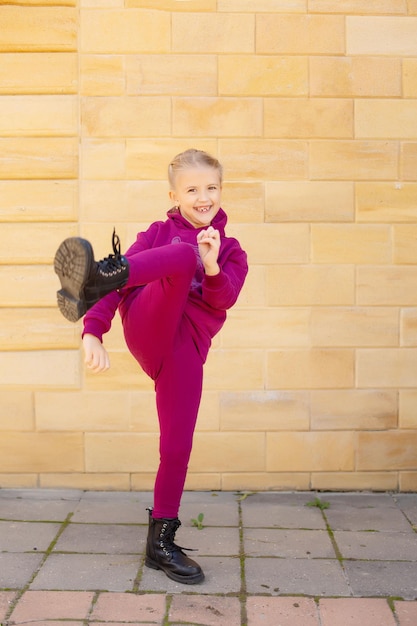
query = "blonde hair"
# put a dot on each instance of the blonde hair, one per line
(192, 158)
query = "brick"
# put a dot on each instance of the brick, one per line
(254, 289)
(298, 285)
(126, 117)
(274, 243)
(41, 29)
(149, 159)
(264, 411)
(38, 200)
(92, 482)
(174, 5)
(309, 201)
(405, 243)
(224, 117)
(412, 7)
(282, 611)
(208, 414)
(229, 33)
(353, 409)
(310, 369)
(268, 6)
(395, 36)
(407, 412)
(102, 159)
(265, 481)
(16, 409)
(129, 607)
(32, 286)
(392, 450)
(60, 368)
(408, 327)
(386, 202)
(41, 452)
(244, 202)
(34, 243)
(355, 76)
(386, 119)
(81, 411)
(354, 326)
(168, 74)
(410, 78)
(144, 481)
(386, 367)
(39, 116)
(391, 286)
(267, 159)
(408, 161)
(351, 243)
(339, 611)
(355, 481)
(117, 31)
(121, 452)
(299, 118)
(48, 605)
(55, 73)
(300, 34)
(194, 609)
(102, 201)
(38, 158)
(395, 7)
(203, 482)
(19, 481)
(123, 375)
(300, 452)
(234, 370)
(263, 76)
(102, 75)
(222, 452)
(265, 328)
(353, 160)
(406, 612)
(408, 482)
(36, 329)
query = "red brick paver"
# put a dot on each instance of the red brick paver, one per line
(406, 613)
(363, 611)
(6, 598)
(127, 607)
(52, 605)
(283, 611)
(207, 610)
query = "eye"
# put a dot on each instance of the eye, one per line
(191, 190)
(213, 187)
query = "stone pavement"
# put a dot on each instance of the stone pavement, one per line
(75, 558)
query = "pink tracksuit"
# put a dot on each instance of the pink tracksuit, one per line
(170, 311)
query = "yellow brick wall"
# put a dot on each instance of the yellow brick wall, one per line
(311, 105)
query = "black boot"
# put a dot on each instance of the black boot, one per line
(83, 280)
(162, 553)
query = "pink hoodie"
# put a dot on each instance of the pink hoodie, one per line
(209, 297)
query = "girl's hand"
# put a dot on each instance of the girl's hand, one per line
(96, 357)
(209, 246)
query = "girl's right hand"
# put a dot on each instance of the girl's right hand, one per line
(95, 354)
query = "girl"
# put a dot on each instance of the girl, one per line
(172, 289)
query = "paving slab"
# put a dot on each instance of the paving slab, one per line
(26, 536)
(367, 519)
(382, 578)
(407, 503)
(272, 511)
(219, 509)
(315, 577)
(87, 572)
(385, 546)
(121, 508)
(16, 570)
(128, 607)
(282, 611)
(102, 539)
(288, 543)
(52, 605)
(366, 612)
(207, 610)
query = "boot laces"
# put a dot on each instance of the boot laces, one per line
(114, 263)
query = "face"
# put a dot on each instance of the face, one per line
(197, 192)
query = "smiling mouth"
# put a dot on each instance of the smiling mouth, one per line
(203, 209)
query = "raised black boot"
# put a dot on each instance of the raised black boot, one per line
(85, 281)
(162, 553)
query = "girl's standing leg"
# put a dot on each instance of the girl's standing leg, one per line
(156, 334)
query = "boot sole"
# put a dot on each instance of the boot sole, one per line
(72, 263)
(187, 580)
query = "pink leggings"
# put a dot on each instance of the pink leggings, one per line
(157, 336)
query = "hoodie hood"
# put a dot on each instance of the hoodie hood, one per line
(219, 222)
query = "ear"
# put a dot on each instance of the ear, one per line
(172, 195)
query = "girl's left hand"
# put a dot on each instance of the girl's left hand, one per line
(209, 246)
